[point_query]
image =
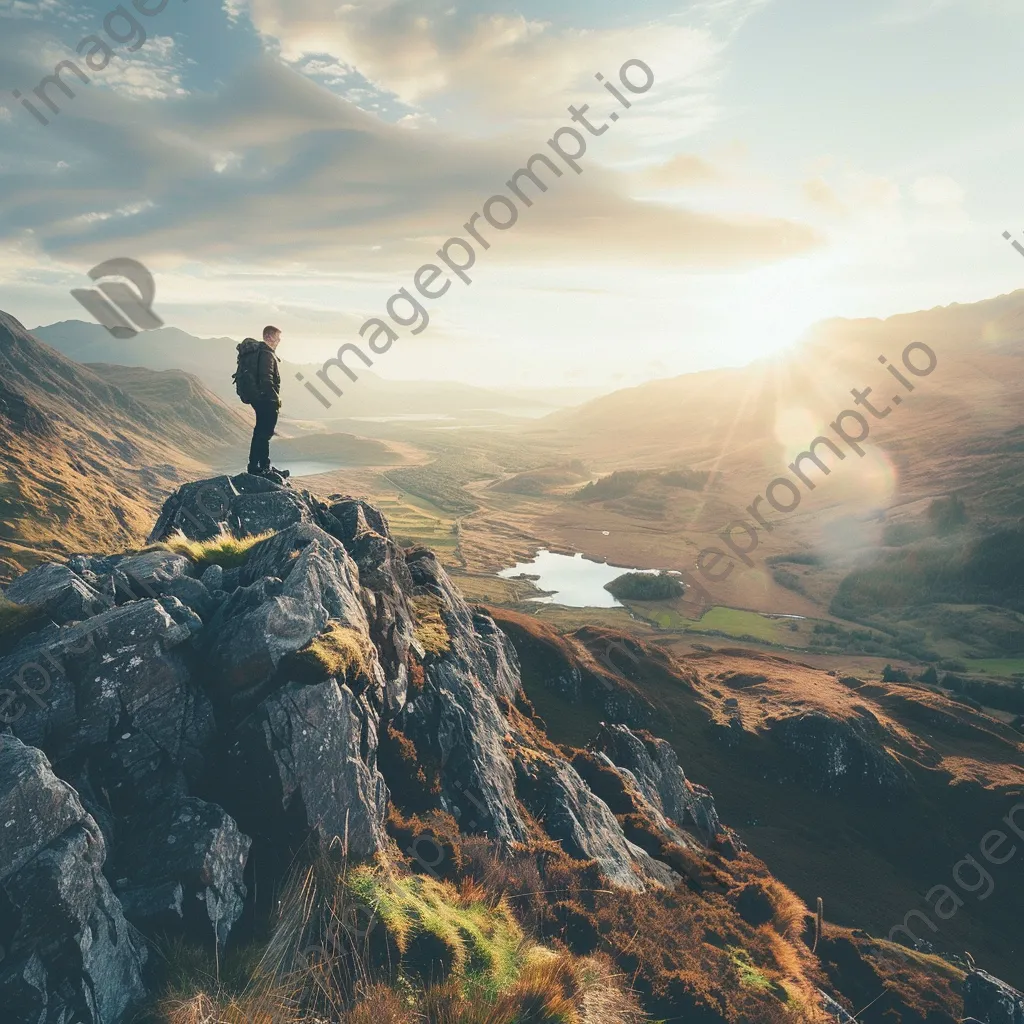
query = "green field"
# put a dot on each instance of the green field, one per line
(730, 621)
(996, 666)
(415, 521)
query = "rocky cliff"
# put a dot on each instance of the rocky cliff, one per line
(275, 674)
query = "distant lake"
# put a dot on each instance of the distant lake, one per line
(308, 467)
(403, 417)
(577, 582)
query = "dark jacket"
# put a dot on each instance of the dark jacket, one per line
(268, 373)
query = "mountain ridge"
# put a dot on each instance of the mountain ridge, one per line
(83, 458)
(213, 361)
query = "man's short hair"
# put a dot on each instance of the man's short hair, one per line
(269, 332)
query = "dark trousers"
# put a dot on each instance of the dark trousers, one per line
(266, 424)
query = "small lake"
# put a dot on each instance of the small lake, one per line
(308, 467)
(577, 582)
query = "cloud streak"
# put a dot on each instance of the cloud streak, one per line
(273, 168)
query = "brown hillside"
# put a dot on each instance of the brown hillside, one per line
(84, 462)
(866, 794)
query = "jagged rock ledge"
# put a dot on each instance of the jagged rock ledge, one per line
(163, 723)
(172, 720)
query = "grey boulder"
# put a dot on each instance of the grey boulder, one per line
(58, 593)
(572, 815)
(114, 689)
(183, 863)
(305, 761)
(291, 586)
(991, 1001)
(71, 955)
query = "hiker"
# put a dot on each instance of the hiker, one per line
(258, 383)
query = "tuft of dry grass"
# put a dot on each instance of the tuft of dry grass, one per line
(224, 550)
(431, 631)
(554, 988)
(243, 990)
(382, 1004)
(339, 652)
(766, 901)
(206, 1009)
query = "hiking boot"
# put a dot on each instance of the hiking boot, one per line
(282, 473)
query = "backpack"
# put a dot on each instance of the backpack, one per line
(246, 376)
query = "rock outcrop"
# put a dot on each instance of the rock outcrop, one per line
(70, 953)
(654, 767)
(168, 715)
(178, 720)
(840, 757)
(988, 1000)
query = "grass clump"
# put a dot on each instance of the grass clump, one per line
(323, 962)
(240, 990)
(430, 630)
(554, 988)
(224, 550)
(339, 652)
(476, 942)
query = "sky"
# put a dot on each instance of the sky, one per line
(296, 162)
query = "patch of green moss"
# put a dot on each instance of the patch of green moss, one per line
(431, 631)
(339, 652)
(483, 942)
(750, 975)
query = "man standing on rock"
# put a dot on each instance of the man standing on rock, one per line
(258, 383)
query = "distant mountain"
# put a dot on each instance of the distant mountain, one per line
(212, 360)
(84, 459)
(958, 432)
(744, 420)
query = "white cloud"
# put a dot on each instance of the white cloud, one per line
(275, 168)
(503, 65)
(153, 72)
(937, 190)
(234, 10)
(851, 192)
(36, 10)
(682, 170)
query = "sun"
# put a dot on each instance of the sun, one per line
(770, 309)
